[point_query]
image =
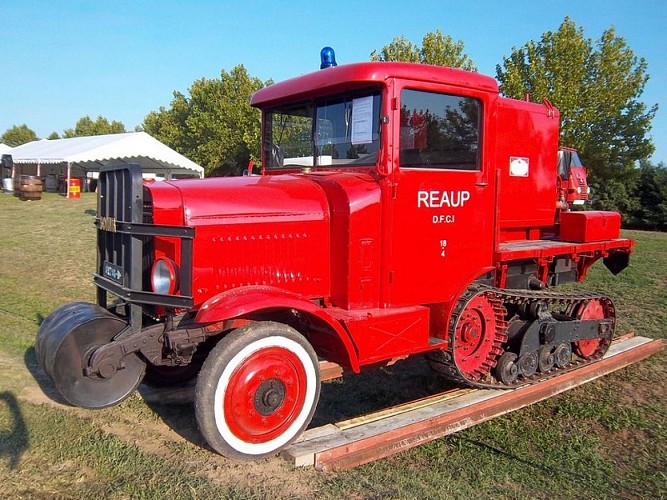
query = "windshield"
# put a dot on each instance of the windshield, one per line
(566, 159)
(342, 130)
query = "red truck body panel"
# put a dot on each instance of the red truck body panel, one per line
(355, 209)
(350, 76)
(525, 156)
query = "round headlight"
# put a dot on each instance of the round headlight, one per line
(588, 190)
(163, 276)
(578, 189)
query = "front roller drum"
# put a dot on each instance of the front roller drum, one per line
(65, 342)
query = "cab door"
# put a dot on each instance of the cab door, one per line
(443, 200)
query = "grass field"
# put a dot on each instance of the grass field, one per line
(606, 439)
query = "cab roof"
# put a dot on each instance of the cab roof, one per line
(351, 76)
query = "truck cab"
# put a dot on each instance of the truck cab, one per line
(406, 141)
(572, 177)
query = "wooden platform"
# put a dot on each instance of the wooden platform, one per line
(354, 442)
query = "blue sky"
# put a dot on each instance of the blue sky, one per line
(63, 60)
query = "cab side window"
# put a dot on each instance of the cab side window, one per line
(439, 131)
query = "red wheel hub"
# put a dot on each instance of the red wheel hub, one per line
(476, 338)
(265, 395)
(591, 310)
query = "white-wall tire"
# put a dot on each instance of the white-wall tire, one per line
(257, 390)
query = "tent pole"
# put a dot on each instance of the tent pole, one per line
(69, 173)
(38, 168)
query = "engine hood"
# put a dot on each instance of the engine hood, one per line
(231, 200)
(249, 231)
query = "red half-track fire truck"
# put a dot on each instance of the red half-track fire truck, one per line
(401, 209)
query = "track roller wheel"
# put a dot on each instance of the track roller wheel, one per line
(66, 340)
(546, 359)
(563, 355)
(527, 364)
(257, 390)
(506, 370)
(593, 348)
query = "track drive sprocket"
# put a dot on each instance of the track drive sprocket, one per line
(476, 336)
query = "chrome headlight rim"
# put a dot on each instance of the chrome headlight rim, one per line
(164, 276)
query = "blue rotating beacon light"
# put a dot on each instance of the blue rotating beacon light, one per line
(328, 58)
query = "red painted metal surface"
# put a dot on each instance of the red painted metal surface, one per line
(349, 76)
(525, 157)
(167, 208)
(585, 227)
(355, 207)
(526, 249)
(593, 310)
(577, 185)
(330, 338)
(476, 336)
(381, 334)
(440, 220)
(279, 377)
(371, 260)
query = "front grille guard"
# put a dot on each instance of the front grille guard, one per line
(121, 237)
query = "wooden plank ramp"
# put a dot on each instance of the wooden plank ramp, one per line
(381, 434)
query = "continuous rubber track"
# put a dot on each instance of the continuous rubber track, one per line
(442, 361)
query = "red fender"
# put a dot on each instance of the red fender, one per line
(241, 301)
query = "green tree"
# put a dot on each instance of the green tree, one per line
(436, 49)
(617, 195)
(17, 135)
(651, 192)
(101, 126)
(214, 125)
(53, 135)
(597, 87)
(399, 49)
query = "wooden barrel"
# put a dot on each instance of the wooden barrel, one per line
(30, 187)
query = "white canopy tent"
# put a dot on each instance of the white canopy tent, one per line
(81, 156)
(4, 148)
